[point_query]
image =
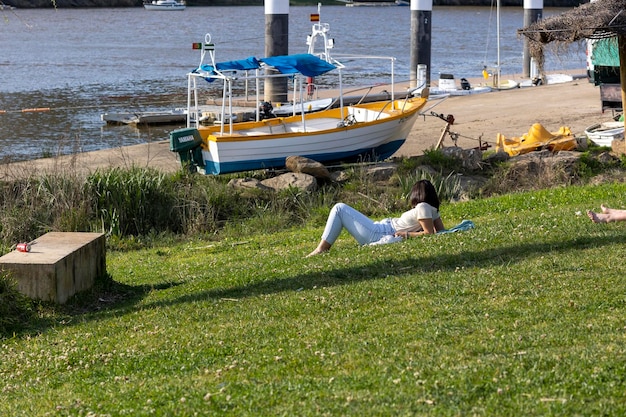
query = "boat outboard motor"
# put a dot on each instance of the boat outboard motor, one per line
(465, 85)
(266, 110)
(186, 142)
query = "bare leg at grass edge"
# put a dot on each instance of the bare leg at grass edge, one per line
(607, 215)
(323, 247)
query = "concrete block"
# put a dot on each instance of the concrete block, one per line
(59, 265)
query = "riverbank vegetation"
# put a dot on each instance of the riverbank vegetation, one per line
(209, 306)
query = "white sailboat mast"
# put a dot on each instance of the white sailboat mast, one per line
(498, 41)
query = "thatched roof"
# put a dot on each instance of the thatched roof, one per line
(601, 19)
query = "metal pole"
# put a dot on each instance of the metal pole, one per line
(498, 72)
(421, 28)
(533, 11)
(276, 44)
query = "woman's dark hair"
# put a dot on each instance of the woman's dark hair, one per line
(424, 191)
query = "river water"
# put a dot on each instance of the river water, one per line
(81, 63)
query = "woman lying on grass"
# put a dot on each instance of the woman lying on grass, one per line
(422, 219)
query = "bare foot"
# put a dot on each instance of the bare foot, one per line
(597, 217)
(316, 252)
(605, 209)
(321, 248)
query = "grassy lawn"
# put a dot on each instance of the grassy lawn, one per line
(522, 316)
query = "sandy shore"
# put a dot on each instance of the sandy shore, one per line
(575, 104)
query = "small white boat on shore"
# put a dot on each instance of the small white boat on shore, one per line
(603, 134)
(165, 5)
(447, 86)
(549, 79)
(505, 85)
(361, 131)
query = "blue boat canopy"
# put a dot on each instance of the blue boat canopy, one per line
(250, 63)
(305, 64)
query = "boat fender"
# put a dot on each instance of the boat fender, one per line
(465, 85)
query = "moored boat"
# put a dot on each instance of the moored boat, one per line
(505, 85)
(207, 114)
(497, 83)
(447, 86)
(548, 79)
(603, 134)
(146, 118)
(164, 5)
(306, 106)
(372, 130)
(537, 138)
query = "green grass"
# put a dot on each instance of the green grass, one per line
(522, 316)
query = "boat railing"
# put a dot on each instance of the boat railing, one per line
(276, 122)
(382, 109)
(346, 58)
(209, 71)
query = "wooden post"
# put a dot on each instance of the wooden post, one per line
(621, 40)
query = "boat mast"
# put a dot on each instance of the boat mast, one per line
(498, 42)
(320, 30)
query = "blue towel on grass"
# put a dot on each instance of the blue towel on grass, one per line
(461, 227)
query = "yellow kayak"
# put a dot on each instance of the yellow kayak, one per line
(537, 138)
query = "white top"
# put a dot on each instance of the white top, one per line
(422, 5)
(409, 221)
(535, 4)
(276, 7)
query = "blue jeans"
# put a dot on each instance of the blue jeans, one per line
(361, 227)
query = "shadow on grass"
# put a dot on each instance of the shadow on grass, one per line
(109, 297)
(106, 296)
(381, 268)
